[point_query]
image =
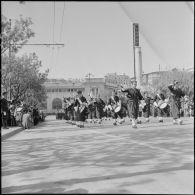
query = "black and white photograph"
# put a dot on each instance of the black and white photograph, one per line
(97, 97)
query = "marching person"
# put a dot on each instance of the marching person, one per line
(134, 96)
(176, 95)
(91, 108)
(107, 108)
(146, 108)
(70, 110)
(81, 104)
(121, 101)
(99, 104)
(159, 97)
(114, 102)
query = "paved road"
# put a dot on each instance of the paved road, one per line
(56, 157)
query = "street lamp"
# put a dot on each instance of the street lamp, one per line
(89, 76)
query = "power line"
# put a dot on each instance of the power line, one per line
(53, 34)
(46, 44)
(53, 21)
(62, 21)
(60, 32)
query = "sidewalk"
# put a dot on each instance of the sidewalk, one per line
(6, 133)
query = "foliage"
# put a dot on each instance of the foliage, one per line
(18, 33)
(24, 78)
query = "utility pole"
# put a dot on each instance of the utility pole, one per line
(10, 62)
(89, 76)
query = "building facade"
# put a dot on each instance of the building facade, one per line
(57, 90)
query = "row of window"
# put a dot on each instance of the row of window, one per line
(62, 90)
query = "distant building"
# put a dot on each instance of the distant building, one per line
(118, 79)
(149, 78)
(58, 89)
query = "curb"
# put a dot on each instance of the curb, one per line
(8, 135)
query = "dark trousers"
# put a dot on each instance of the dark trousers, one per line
(91, 114)
(4, 121)
(160, 112)
(133, 109)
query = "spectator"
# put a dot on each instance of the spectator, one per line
(35, 115)
(26, 119)
(4, 110)
(12, 118)
(18, 114)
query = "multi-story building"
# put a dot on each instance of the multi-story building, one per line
(149, 78)
(118, 79)
(58, 89)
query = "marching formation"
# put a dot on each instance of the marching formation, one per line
(126, 102)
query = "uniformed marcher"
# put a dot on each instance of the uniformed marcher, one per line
(99, 104)
(175, 103)
(158, 99)
(134, 96)
(81, 104)
(91, 109)
(146, 108)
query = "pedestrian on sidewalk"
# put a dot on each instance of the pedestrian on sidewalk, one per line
(26, 119)
(12, 118)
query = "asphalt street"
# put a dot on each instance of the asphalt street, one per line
(56, 157)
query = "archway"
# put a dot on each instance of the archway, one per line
(57, 103)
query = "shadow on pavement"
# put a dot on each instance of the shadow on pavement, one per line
(50, 186)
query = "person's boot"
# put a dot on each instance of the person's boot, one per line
(134, 123)
(160, 120)
(122, 121)
(139, 121)
(174, 122)
(115, 122)
(82, 125)
(179, 121)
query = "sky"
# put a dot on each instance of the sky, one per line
(98, 36)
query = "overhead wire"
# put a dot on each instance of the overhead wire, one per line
(53, 35)
(61, 30)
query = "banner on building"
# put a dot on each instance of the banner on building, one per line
(135, 34)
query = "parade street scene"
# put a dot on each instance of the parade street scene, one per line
(97, 97)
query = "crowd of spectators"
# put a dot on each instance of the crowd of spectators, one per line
(19, 114)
